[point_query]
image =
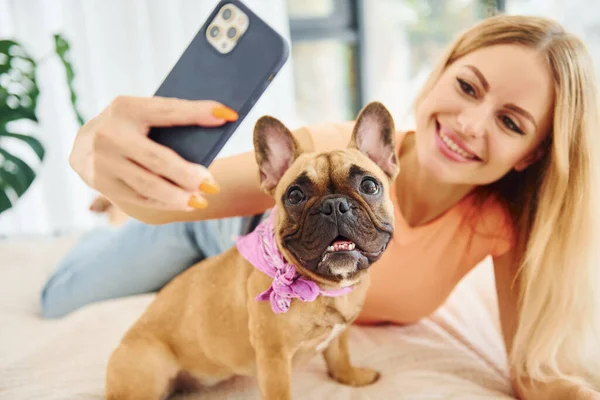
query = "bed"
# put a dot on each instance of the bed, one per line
(457, 353)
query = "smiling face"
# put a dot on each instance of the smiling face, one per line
(487, 114)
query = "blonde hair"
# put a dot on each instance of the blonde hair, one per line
(553, 206)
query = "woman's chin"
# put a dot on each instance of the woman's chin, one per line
(435, 167)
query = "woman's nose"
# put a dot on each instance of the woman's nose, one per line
(472, 122)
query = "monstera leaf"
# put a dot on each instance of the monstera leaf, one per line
(18, 100)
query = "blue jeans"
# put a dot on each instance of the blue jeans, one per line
(136, 258)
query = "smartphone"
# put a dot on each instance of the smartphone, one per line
(232, 59)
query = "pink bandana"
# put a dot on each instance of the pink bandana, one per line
(260, 249)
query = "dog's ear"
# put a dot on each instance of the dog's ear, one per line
(275, 148)
(374, 135)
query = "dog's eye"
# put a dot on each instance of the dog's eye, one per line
(369, 186)
(295, 196)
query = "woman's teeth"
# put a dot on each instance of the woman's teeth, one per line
(341, 247)
(455, 148)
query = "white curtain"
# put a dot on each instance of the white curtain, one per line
(117, 47)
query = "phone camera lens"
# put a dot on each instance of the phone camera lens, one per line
(226, 14)
(231, 32)
(214, 31)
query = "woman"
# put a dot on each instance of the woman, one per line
(503, 162)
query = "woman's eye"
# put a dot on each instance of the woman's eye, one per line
(295, 196)
(509, 123)
(369, 186)
(466, 88)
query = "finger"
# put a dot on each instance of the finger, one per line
(167, 111)
(165, 162)
(121, 192)
(100, 204)
(150, 186)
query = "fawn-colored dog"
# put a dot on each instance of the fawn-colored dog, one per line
(286, 291)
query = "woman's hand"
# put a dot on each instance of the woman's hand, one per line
(113, 154)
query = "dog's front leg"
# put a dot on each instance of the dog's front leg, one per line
(337, 358)
(273, 351)
(274, 371)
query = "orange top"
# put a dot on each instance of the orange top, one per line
(422, 265)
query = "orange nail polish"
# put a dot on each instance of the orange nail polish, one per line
(197, 202)
(225, 113)
(209, 187)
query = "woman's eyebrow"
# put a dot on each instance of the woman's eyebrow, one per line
(477, 72)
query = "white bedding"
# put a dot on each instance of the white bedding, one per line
(457, 353)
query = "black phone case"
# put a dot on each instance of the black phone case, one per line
(236, 79)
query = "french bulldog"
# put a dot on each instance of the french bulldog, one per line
(285, 292)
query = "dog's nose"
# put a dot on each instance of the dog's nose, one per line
(338, 204)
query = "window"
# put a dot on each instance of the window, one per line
(348, 52)
(325, 53)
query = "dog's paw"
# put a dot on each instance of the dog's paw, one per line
(356, 376)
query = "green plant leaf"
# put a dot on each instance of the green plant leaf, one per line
(35, 144)
(22, 169)
(63, 51)
(14, 181)
(15, 115)
(16, 174)
(5, 202)
(10, 49)
(18, 86)
(19, 94)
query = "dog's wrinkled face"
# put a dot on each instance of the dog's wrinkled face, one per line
(334, 214)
